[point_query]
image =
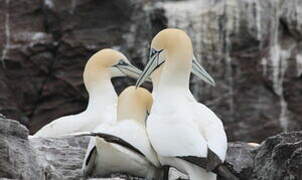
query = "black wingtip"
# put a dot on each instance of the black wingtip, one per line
(93, 151)
(114, 139)
(166, 172)
(225, 173)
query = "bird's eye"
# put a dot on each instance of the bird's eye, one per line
(122, 63)
(153, 52)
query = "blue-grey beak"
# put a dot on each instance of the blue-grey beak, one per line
(200, 72)
(152, 64)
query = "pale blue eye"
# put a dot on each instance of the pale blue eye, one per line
(153, 52)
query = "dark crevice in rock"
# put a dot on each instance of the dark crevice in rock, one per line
(50, 69)
(50, 74)
(13, 98)
(158, 20)
(284, 28)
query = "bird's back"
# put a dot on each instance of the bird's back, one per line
(133, 133)
(82, 122)
(59, 127)
(211, 128)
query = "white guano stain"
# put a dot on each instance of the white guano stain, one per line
(7, 34)
(299, 64)
(49, 4)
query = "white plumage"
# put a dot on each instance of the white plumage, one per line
(130, 127)
(179, 126)
(99, 70)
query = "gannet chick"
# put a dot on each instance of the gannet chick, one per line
(184, 133)
(100, 68)
(124, 147)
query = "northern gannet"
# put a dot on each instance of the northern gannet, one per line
(159, 59)
(197, 70)
(124, 147)
(99, 70)
(184, 133)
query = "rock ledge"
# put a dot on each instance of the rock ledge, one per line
(277, 158)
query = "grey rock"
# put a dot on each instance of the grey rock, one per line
(240, 157)
(61, 157)
(41, 63)
(279, 158)
(291, 18)
(18, 159)
(251, 48)
(80, 28)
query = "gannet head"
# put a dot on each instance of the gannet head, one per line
(177, 45)
(107, 63)
(134, 103)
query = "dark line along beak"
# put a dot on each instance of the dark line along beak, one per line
(151, 66)
(147, 115)
(129, 70)
(200, 72)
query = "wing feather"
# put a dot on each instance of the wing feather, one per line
(212, 129)
(90, 156)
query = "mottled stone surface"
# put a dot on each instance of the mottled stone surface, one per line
(64, 156)
(44, 46)
(252, 50)
(18, 159)
(241, 158)
(277, 158)
(251, 47)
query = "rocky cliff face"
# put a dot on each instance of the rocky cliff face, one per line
(45, 45)
(22, 157)
(18, 158)
(251, 48)
(279, 157)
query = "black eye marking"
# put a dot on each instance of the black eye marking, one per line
(122, 63)
(123, 66)
(158, 65)
(147, 114)
(160, 51)
(157, 59)
(155, 54)
(152, 52)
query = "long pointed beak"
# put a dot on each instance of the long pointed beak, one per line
(200, 72)
(150, 67)
(130, 70)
